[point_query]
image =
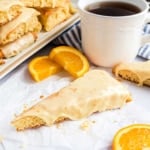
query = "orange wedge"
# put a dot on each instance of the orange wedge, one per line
(71, 59)
(133, 137)
(42, 67)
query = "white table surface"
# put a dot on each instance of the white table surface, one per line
(18, 89)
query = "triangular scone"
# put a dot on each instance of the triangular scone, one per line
(138, 72)
(9, 10)
(96, 91)
(26, 22)
(50, 17)
(15, 47)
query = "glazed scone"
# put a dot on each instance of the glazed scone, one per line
(96, 91)
(138, 72)
(26, 22)
(44, 3)
(50, 17)
(9, 10)
(14, 48)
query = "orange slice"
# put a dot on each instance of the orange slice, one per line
(42, 67)
(71, 59)
(133, 137)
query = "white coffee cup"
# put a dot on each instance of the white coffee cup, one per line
(109, 40)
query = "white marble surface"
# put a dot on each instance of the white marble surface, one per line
(18, 89)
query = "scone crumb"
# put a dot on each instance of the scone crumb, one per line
(42, 96)
(25, 107)
(86, 124)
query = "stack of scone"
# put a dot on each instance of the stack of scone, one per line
(19, 27)
(22, 20)
(53, 12)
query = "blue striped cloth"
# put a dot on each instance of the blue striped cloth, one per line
(72, 37)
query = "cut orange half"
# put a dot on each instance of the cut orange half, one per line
(133, 137)
(71, 59)
(42, 67)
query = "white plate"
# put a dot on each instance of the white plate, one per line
(44, 39)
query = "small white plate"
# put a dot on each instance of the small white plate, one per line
(43, 39)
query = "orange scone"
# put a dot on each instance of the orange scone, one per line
(138, 72)
(96, 91)
(9, 10)
(44, 3)
(50, 17)
(26, 22)
(17, 46)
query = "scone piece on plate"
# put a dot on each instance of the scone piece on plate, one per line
(44, 3)
(15, 47)
(26, 22)
(50, 17)
(138, 72)
(9, 10)
(96, 91)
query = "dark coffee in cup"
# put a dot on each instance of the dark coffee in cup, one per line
(113, 8)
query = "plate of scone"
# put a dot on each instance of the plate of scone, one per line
(26, 27)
